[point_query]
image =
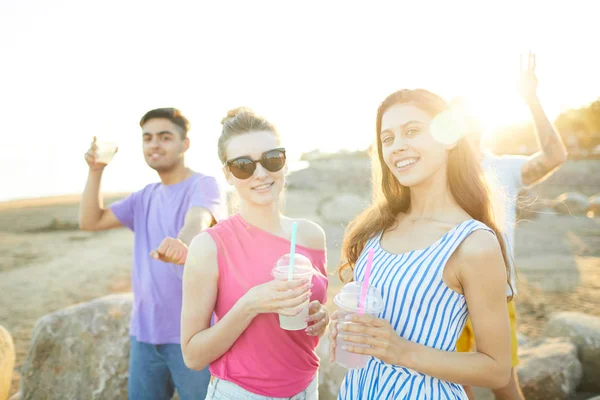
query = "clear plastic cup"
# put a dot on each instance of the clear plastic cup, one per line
(303, 269)
(347, 301)
(105, 151)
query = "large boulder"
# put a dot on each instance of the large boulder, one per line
(522, 339)
(330, 374)
(572, 203)
(349, 173)
(7, 362)
(342, 208)
(595, 205)
(584, 331)
(549, 369)
(80, 352)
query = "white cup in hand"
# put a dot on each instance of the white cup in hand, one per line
(105, 151)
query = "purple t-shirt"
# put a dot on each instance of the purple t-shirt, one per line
(154, 213)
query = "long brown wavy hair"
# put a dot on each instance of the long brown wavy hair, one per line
(465, 180)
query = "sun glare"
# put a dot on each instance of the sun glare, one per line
(494, 111)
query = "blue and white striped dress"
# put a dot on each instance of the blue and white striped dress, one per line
(421, 308)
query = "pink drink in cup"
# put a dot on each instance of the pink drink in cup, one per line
(348, 302)
(303, 269)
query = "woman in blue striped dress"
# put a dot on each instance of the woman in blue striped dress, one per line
(439, 258)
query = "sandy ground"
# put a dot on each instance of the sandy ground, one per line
(47, 264)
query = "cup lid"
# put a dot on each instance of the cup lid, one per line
(302, 266)
(349, 298)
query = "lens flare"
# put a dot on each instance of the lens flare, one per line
(447, 127)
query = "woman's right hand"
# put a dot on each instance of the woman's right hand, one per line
(282, 297)
(333, 335)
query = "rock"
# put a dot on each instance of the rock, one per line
(572, 203)
(549, 369)
(7, 362)
(547, 210)
(80, 352)
(586, 396)
(522, 339)
(595, 205)
(330, 375)
(342, 208)
(584, 331)
(343, 174)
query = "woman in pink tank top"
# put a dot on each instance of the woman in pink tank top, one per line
(228, 272)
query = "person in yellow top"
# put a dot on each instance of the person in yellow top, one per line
(511, 174)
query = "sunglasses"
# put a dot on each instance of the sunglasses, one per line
(244, 167)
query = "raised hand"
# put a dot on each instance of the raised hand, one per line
(528, 82)
(92, 156)
(171, 250)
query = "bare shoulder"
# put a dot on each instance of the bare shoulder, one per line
(202, 248)
(480, 243)
(310, 234)
(480, 252)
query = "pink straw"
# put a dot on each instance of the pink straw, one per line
(365, 285)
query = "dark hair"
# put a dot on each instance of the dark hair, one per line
(242, 120)
(465, 180)
(172, 114)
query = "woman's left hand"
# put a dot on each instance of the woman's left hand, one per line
(385, 343)
(318, 319)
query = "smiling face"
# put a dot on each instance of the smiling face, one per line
(263, 187)
(163, 144)
(407, 146)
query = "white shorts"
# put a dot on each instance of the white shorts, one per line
(220, 389)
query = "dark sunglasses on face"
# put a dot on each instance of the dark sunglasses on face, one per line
(244, 167)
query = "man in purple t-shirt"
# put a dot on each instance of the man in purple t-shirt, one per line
(182, 205)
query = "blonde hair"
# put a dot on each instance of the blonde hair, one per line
(239, 121)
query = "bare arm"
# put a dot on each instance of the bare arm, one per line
(92, 216)
(483, 279)
(197, 219)
(552, 152)
(201, 344)
(175, 250)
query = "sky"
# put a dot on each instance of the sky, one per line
(72, 70)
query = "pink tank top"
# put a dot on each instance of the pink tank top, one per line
(265, 359)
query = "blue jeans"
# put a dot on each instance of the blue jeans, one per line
(155, 371)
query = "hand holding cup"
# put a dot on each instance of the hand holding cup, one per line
(100, 154)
